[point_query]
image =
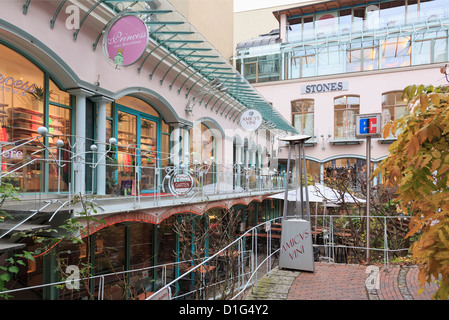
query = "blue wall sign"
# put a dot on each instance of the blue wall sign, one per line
(368, 125)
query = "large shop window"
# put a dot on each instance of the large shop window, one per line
(345, 110)
(350, 171)
(139, 134)
(29, 100)
(302, 116)
(262, 69)
(430, 47)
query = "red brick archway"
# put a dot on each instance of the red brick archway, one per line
(157, 215)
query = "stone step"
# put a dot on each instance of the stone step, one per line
(5, 246)
(23, 227)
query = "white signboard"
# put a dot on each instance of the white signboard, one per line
(251, 120)
(267, 226)
(163, 294)
(325, 87)
(296, 245)
(181, 183)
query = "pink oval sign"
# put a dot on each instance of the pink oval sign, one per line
(126, 40)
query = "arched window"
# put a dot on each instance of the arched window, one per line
(139, 132)
(29, 99)
(302, 116)
(351, 171)
(393, 107)
(202, 143)
(345, 110)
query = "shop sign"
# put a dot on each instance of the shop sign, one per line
(9, 84)
(250, 120)
(296, 245)
(181, 183)
(267, 226)
(14, 154)
(162, 294)
(126, 40)
(325, 87)
(368, 125)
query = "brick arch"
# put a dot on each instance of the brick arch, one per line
(119, 218)
(157, 216)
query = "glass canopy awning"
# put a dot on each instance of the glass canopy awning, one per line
(188, 54)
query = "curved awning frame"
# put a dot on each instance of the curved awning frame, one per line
(186, 52)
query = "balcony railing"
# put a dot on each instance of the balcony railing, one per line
(344, 52)
(252, 254)
(49, 170)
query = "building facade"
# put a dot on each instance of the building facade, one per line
(331, 60)
(128, 104)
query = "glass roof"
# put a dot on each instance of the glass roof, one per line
(190, 55)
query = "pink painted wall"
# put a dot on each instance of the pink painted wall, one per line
(90, 65)
(369, 87)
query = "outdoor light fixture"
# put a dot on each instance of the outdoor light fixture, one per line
(60, 143)
(43, 131)
(113, 141)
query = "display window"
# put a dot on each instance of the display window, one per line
(29, 100)
(140, 132)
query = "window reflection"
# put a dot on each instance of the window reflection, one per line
(393, 107)
(383, 22)
(345, 110)
(302, 116)
(396, 52)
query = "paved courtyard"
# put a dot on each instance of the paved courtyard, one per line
(343, 282)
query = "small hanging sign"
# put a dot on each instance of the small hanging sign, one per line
(250, 120)
(125, 40)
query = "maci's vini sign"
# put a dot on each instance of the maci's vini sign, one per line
(250, 120)
(296, 245)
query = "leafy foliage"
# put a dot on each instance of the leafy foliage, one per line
(48, 241)
(418, 164)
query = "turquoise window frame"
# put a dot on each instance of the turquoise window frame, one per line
(139, 115)
(46, 109)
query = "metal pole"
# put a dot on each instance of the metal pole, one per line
(299, 174)
(286, 181)
(306, 184)
(368, 187)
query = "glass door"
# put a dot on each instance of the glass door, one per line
(148, 154)
(139, 144)
(126, 156)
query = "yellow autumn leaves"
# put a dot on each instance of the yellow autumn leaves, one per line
(418, 163)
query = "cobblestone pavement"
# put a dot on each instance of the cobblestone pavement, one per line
(342, 282)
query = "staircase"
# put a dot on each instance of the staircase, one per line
(27, 216)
